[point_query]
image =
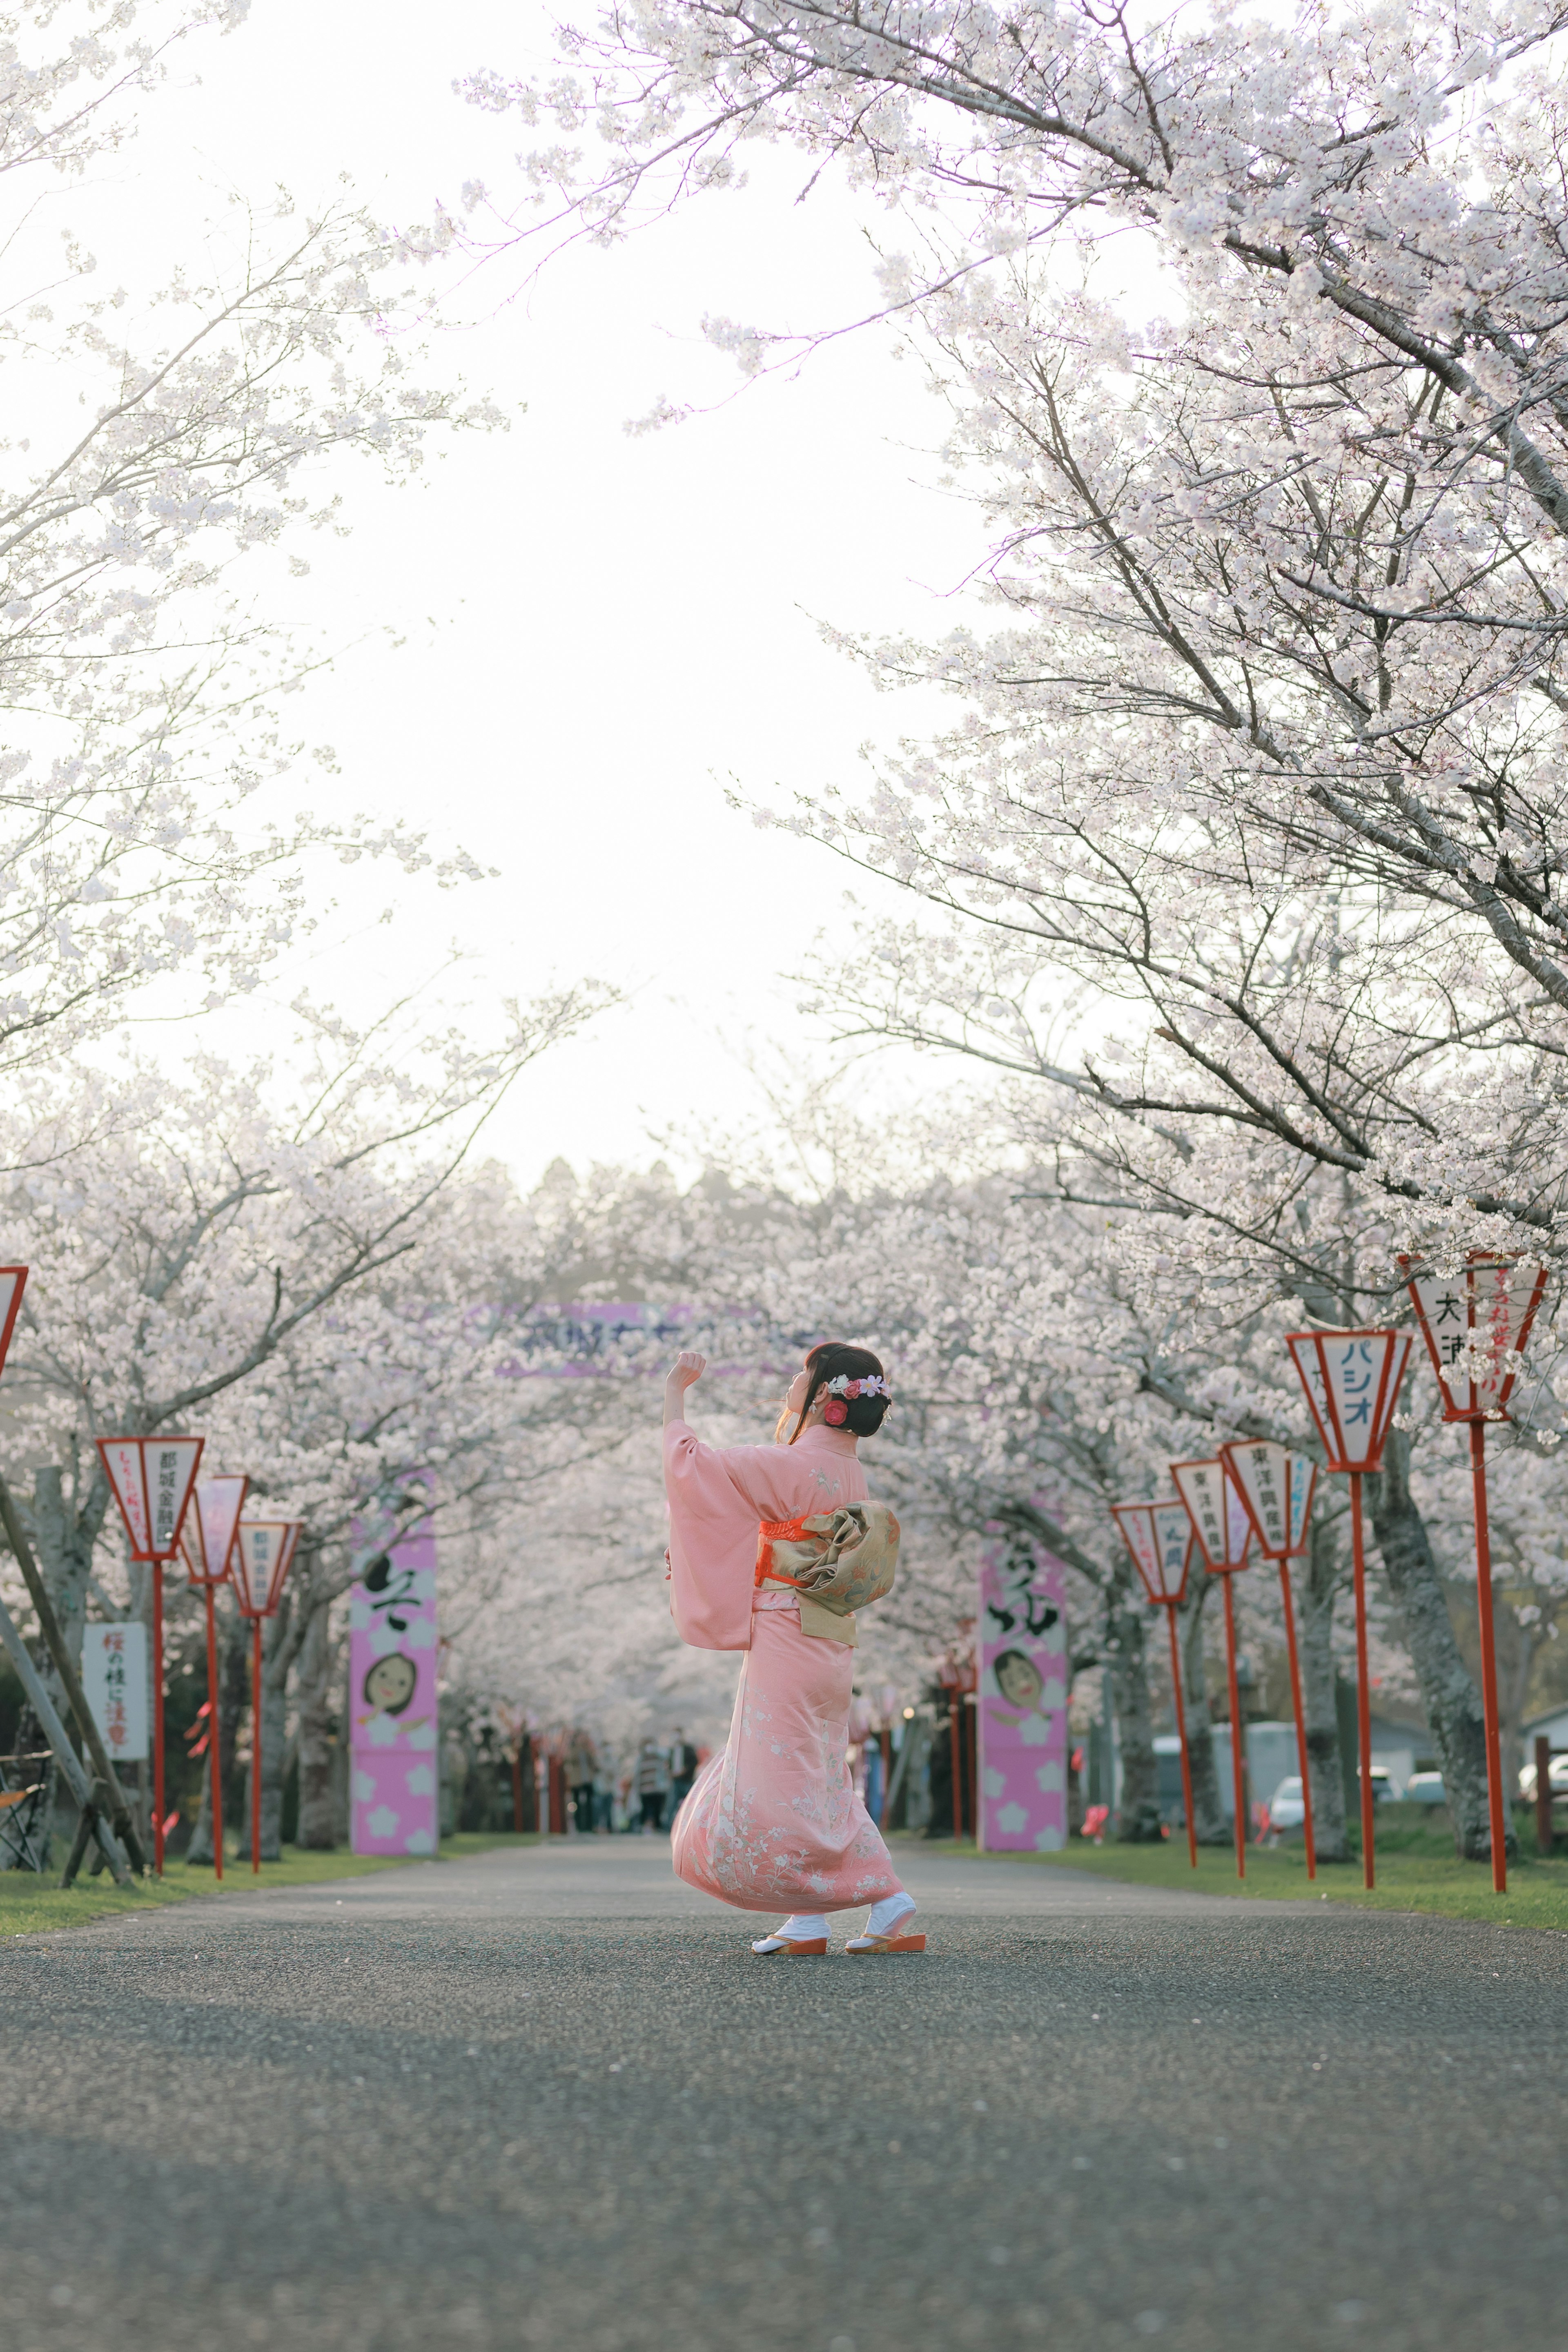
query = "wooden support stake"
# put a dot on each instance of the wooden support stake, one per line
(55, 1642)
(80, 1787)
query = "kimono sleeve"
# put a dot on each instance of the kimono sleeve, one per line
(713, 1540)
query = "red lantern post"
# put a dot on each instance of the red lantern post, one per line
(262, 1557)
(1276, 1490)
(1220, 1522)
(152, 1478)
(13, 1282)
(1352, 1381)
(1159, 1537)
(207, 1541)
(1475, 1324)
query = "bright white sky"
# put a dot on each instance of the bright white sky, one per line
(601, 632)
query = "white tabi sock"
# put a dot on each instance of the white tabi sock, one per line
(803, 1928)
(885, 1916)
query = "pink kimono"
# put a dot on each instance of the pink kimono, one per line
(773, 1823)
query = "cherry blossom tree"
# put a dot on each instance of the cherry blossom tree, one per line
(194, 1248)
(143, 744)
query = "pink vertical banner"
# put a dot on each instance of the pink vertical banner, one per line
(1021, 1700)
(394, 1797)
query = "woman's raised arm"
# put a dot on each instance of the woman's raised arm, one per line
(683, 1373)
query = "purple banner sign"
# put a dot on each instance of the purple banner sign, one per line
(1022, 1700)
(393, 1753)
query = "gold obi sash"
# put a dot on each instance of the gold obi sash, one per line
(834, 1561)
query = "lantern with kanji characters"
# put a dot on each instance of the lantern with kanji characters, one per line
(262, 1557)
(1276, 1488)
(1224, 1533)
(1476, 1323)
(1160, 1539)
(151, 1479)
(1352, 1381)
(206, 1540)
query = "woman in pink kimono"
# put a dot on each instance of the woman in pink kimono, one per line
(773, 1823)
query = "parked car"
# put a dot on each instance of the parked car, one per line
(1286, 1809)
(1557, 1781)
(1426, 1788)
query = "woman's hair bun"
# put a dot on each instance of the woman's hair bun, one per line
(835, 1359)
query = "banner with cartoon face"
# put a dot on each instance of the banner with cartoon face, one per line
(393, 1751)
(1022, 1701)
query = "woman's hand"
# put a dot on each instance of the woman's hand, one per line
(683, 1373)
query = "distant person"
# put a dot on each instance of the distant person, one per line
(653, 1784)
(579, 1763)
(861, 1749)
(683, 1772)
(772, 1549)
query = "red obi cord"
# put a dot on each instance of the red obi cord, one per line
(780, 1530)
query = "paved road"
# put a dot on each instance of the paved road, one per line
(547, 2098)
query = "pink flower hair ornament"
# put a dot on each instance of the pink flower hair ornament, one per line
(836, 1411)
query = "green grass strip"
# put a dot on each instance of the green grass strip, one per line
(1422, 1880)
(33, 1905)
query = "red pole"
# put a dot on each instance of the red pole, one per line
(1489, 1660)
(1363, 1683)
(1181, 1734)
(1238, 1735)
(884, 1741)
(256, 1750)
(1301, 1719)
(214, 1761)
(158, 1717)
(517, 1787)
(1543, 1793)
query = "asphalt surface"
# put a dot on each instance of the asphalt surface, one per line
(549, 2098)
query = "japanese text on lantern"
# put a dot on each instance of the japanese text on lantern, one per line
(1022, 1700)
(1267, 1498)
(1205, 1491)
(392, 1709)
(114, 1681)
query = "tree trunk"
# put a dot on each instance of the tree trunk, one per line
(232, 1700)
(1315, 1585)
(1207, 1811)
(317, 1688)
(1516, 1646)
(920, 1733)
(1453, 1704)
(276, 1656)
(1126, 1660)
